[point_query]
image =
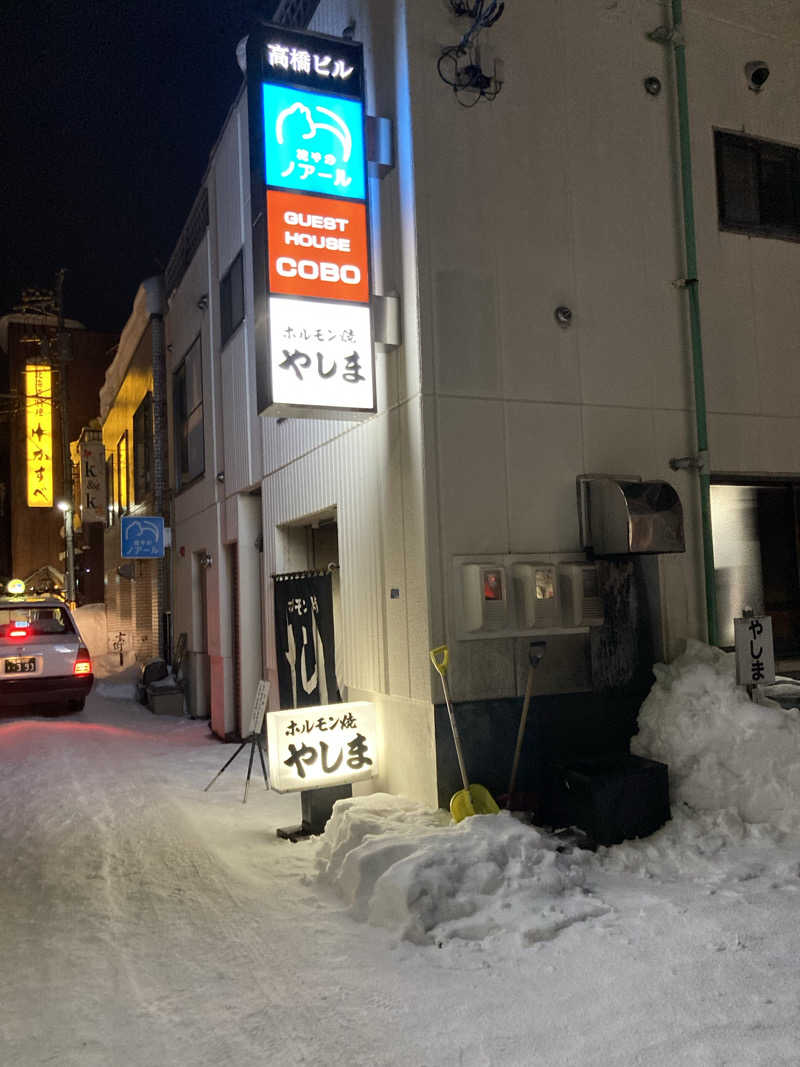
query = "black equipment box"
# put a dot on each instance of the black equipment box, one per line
(614, 797)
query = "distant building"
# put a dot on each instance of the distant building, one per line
(126, 414)
(31, 453)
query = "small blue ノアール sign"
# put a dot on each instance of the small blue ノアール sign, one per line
(142, 537)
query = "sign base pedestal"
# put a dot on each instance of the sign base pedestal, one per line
(316, 806)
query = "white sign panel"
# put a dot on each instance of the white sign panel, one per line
(755, 655)
(259, 707)
(331, 744)
(321, 354)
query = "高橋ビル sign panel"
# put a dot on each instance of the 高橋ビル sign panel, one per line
(314, 353)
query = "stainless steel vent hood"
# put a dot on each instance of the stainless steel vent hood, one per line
(624, 516)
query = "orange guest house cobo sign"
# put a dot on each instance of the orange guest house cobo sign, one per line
(317, 248)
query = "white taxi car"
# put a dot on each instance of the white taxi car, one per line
(43, 658)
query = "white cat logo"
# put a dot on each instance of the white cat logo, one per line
(340, 129)
(144, 529)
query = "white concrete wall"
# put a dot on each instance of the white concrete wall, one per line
(565, 190)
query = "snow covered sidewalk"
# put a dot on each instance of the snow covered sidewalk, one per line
(146, 922)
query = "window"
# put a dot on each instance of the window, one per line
(758, 186)
(143, 449)
(231, 299)
(123, 474)
(187, 399)
(756, 533)
(110, 497)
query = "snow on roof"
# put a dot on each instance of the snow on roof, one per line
(129, 339)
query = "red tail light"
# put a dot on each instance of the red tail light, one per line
(83, 663)
(18, 631)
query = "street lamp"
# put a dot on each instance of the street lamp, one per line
(69, 552)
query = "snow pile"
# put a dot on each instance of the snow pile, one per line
(727, 757)
(115, 683)
(91, 621)
(410, 869)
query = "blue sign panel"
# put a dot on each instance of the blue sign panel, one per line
(313, 142)
(142, 536)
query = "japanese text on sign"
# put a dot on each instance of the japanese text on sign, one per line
(328, 745)
(755, 655)
(321, 354)
(313, 143)
(39, 434)
(284, 57)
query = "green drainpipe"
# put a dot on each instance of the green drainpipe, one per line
(675, 37)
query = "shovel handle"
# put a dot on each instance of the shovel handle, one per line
(440, 658)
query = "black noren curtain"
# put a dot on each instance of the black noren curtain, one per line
(304, 640)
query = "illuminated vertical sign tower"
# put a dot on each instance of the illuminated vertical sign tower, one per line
(39, 434)
(314, 353)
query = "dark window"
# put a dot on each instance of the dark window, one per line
(231, 299)
(143, 449)
(187, 399)
(111, 503)
(758, 186)
(756, 533)
(123, 475)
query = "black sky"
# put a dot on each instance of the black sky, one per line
(111, 110)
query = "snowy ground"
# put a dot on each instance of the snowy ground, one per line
(148, 923)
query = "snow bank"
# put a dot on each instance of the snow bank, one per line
(725, 754)
(112, 681)
(412, 870)
(91, 620)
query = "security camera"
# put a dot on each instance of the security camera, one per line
(756, 72)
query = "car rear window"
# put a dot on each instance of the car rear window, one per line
(36, 619)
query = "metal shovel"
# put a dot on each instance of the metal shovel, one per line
(472, 799)
(536, 651)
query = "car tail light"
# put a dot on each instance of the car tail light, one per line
(83, 663)
(18, 631)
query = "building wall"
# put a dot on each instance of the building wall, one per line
(131, 602)
(564, 191)
(370, 473)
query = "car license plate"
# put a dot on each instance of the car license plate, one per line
(20, 665)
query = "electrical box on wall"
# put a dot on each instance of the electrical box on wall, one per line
(580, 595)
(536, 595)
(515, 595)
(484, 598)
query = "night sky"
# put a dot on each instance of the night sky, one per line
(111, 109)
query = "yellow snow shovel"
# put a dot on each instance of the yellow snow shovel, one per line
(472, 799)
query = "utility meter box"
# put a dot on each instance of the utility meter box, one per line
(519, 595)
(536, 595)
(581, 604)
(484, 595)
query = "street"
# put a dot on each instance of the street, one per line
(148, 923)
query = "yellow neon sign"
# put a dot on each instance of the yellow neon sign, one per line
(39, 433)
